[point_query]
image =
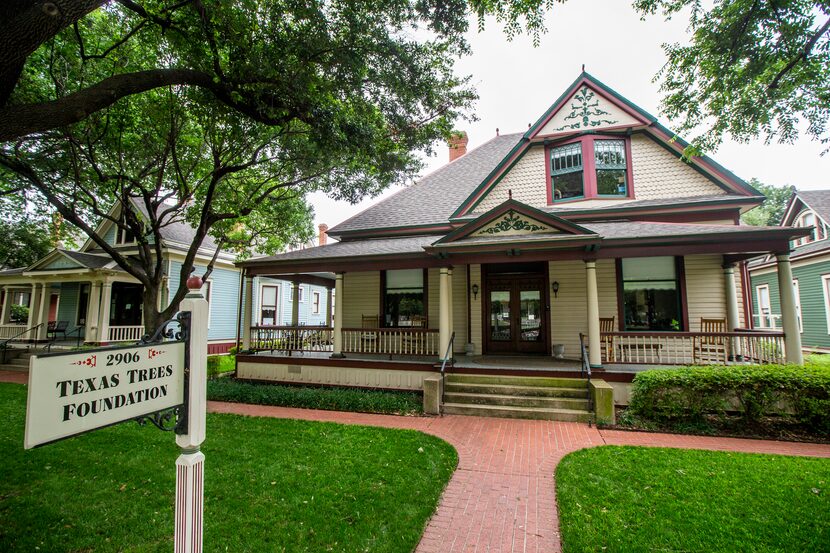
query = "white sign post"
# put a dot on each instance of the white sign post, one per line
(191, 462)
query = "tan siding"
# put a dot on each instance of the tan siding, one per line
(475, 310)
(740, 294)
(336, 376)
(432, 299)
(526, 180)
(361, 296)
(459, 307)
(659, 174)
(705, 289)
(612, 116)
(607, 289)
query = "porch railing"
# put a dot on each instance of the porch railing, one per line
(391, 341)
(693, 348)
(129, 333)
(292, 338)
(770, 321)
(8, 331)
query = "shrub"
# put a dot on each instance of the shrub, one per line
(19, 313)
(334, 399)
(798, 394)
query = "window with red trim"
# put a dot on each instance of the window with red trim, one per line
(589, 167)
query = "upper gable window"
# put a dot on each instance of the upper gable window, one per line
(809, 219)
(589, 167)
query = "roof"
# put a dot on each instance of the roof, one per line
(88, 260)
(818, 201)
(176, 230)
(378, 246)
(434, 198)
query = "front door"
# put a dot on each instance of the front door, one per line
(516, 314)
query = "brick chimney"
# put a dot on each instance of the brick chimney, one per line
(458, 145)
(323, 236)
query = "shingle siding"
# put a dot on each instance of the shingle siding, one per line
(660, 174)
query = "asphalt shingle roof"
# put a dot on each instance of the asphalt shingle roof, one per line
(435, 197)
(818, 200)
(88, 260)
(380, 246)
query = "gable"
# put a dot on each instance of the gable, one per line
(58, 262)
(514, 224)
(586, 109)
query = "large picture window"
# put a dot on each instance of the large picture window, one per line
(651, 294)
(404, 298)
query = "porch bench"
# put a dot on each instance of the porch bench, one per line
(55, 327)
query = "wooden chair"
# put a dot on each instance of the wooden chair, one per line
(606, 324)
(712, 348)
(369, 340)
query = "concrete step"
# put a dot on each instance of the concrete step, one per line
(579, 404)
(512, 412)
(509, 389)
(19, 361)
(517, 380)
(15, 368)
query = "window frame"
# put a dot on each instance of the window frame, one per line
(425, 300)
(276, 303)
(315, 302)
(825, 285)
(819, 229)
(761, 319)
(589, 169)
(682, 304)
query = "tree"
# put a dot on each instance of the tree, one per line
(757, 68)
(24, 242)
(261, 58)
(771, 212)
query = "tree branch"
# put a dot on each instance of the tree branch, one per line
(801, 55)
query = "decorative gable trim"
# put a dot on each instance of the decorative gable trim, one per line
(513, 218)
(55, 256)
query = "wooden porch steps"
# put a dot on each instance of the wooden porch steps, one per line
(562, 399)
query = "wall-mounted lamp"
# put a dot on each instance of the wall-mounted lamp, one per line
(555, 287)
(475, 291)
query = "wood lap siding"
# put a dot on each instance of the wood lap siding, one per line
(361, 296)
(459, 307)
(705, 289)
(475, 309)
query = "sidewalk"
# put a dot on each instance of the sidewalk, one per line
(502, 497)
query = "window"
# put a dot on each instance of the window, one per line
(809, 219)
(404, 297)
(797, 295)
(566, 171)
(315, 303)
(611, 168)
(302, 294)
(268, 305)
(825, 286)
(83, 304)
(651, 294)
(590, 167)
(764, 310)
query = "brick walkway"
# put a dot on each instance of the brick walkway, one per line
(15, 377)
(502, 497)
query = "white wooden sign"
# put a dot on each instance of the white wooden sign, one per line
(73, 393)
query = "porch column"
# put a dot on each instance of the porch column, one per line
(444, 329)
(7, 305)
(338, 316)
(329, 305)
(92, 312)
(295, 303)
(247, 312)
(104, 312)
(594, 348)
(449, 303)
(34, 306)
(732, 321)
(786, 292)
(43, 312)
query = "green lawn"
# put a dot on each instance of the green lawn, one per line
(631, 499)
(270, 485)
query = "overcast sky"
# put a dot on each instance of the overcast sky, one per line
(516, 83)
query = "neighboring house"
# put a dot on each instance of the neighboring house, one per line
(86, 294)
(811, 273)
(587, 223)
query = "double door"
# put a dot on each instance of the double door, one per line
(516, 311)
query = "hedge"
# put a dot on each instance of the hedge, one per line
(333, 399)
(800, 395)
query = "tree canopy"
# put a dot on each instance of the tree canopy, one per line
(752, 69)
(771, 211)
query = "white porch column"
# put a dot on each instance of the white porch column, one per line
(444, 319)
(786, 292)
(92, 312)
(338, 316)
(104, 312)
(34, 306)
(248, 312)
(7, 305)
(732, 321)
(295, 303)
(452, 314)
(594, 347)
(43, 312)
(329, 305)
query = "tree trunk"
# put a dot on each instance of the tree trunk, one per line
(152, 316)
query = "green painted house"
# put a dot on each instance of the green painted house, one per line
(811, 273)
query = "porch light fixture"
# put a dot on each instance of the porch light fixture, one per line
(475, 291)
(555, 287)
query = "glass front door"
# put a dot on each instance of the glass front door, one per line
(516, 310)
